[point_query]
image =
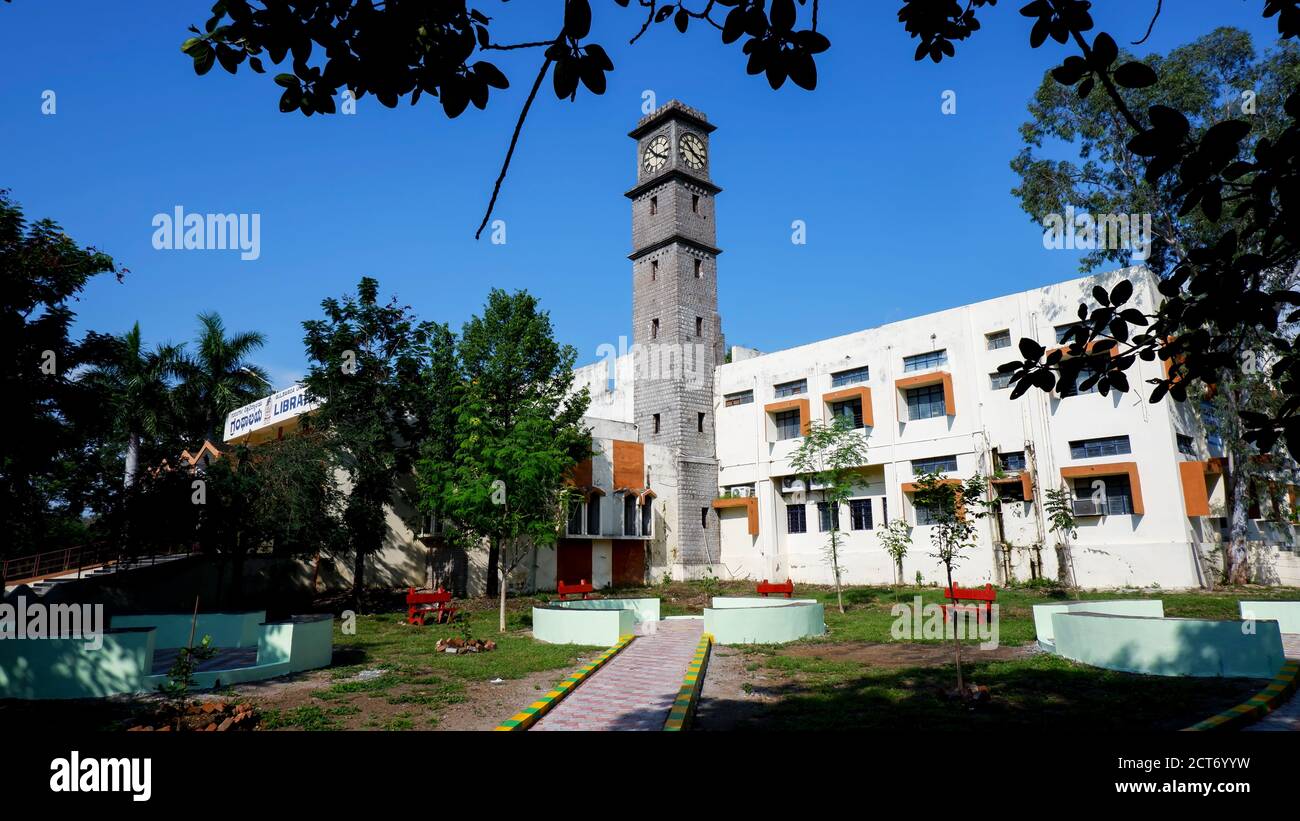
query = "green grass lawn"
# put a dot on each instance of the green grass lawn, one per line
(416, 679)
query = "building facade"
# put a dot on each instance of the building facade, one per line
(691, 475)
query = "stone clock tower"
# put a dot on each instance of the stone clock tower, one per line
(675, 319)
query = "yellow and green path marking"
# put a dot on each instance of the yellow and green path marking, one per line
(679, 718)
(529, 716)
(1261, 704)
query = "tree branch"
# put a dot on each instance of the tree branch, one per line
(514, 140)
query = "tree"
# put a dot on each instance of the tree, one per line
(831, 455)
(1058, 503)
(281, 495)
(414, 48)
(219, 376)
(1106, 181)
(517, 432)
(954, 506)
(896, 537)
(1218, 294)
(46, 473)
(139, 384)
(366, 362)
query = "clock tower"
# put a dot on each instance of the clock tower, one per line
(676, 327)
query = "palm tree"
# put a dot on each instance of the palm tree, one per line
(219, 377)
(138, 384)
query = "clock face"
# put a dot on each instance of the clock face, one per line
(656, 153)
(693, 151)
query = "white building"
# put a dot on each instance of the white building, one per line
(691, 475)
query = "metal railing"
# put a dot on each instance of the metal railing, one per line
(36, 566)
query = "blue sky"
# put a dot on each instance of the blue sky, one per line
(907, 210)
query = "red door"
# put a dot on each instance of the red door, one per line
(572, 561)
(629, 563)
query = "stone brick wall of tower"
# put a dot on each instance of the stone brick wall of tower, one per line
(675, 218)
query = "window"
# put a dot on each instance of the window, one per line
(699, 422)
(654, 206)
(1012, 461)
(1210, 418)
(1091, 448)
(998, 339)
(698, 269)
(999, 380)
(790, 388)
(645, 516)
(1112, 493)
(654, 329)
(860, 514)
(575, 518)
(1010, 491)
(695, 203)
(788, 424)
(935, 464)
(704, 517)
(850, 409)
(826, 515)
(884, 510)
(654, 269)
(699, 326)
(926, 402)
(922, 361)
(739, 398)
(796, 519)
(593, 515)
(1066, 331)
(853, 376)
(1066, 388)
(629, 515)
(924, 515)
(656, 423)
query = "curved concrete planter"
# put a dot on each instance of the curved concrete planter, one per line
(599, 622)
(756, 620)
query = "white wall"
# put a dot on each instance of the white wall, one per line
(1154, 548)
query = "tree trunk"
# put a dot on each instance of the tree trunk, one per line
(494, 563)
(835, 565)
(501, 586)
(956, 643)
(132, 459)
(1240, 516)
(358, 575)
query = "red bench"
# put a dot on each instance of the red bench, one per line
(583, 586)
(986, 595)
(765, 587)
(420, 605)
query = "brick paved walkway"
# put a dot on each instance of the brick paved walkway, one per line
(1287, 717)
(636, 688)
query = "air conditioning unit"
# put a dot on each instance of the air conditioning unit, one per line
(743, 491)
(1087, 507)
(796, 484)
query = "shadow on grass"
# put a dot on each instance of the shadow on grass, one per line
(1038, 693)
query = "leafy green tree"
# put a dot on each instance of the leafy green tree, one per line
(219, 377)
(896, 537)
(366, 363)
(140, 386)
(954, 508)
(280, 496)
(48, 457)
(1205, 80)
(1058, 504)
(1106, 180)
(1220, 294)
(517, 431)
(831, 455)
